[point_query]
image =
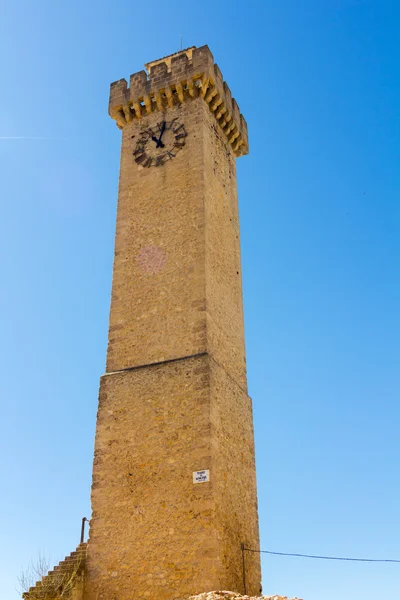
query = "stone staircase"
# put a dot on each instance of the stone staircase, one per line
(65, 581)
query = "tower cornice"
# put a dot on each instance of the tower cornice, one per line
(175, 79)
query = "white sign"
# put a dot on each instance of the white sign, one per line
(201, 476)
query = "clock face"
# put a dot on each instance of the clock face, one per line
(160, 143)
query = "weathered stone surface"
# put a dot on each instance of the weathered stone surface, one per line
(177, 273)
(152, 529)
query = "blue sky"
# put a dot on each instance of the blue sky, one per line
(318, 83)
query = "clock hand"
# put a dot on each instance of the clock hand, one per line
(159, 143)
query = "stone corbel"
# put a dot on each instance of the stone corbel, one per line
(221, 111)
(233, 137)
(191, 88)
(119, 116)
(211, 94)
(205, 80)
(179, 91)
(127, 112)
(159, 101)
(147, 103)
(170, 99)
(217, 102)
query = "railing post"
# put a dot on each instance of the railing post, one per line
(83, 530)
(244, 569)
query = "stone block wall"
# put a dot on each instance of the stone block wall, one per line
(154, 533)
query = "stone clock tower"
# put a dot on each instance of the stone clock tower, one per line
(174, 485)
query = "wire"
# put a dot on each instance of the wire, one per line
(375, 560)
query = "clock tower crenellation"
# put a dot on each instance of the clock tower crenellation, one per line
(172, 80)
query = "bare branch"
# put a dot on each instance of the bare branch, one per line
(42, 565)
(33, 573)
(37, 582)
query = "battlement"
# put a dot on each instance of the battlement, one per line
(175, 79)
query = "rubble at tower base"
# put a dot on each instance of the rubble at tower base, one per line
(225, 595)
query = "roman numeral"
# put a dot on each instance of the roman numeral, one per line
(177, 128)
(141, 158)
(139, 150)
(171, 124)
(160, 159)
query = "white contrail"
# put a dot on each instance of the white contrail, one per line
(28, 137)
